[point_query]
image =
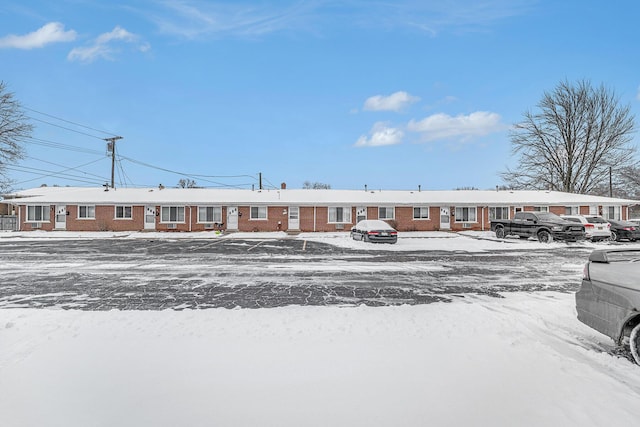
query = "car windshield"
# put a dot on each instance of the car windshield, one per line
(623, 256)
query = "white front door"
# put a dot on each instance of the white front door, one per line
(61, 217)
(445, 219)
(361, 213)
(294, 218)
(149, 217)
(232, 217)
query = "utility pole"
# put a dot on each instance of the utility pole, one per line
(610, 182)
(260, 180)
(111, 146)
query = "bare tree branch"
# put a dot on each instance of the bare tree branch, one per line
(14, 128)
(571, 142)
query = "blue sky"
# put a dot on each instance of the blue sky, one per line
(388, 94)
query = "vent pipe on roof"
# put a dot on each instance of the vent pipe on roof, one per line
(419, 188)
(365, 187)
(283, 186)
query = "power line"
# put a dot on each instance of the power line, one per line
(53, 144)
(121, 173)
(59, 174)
(202, 177)
(68, 121)
(71, 168)
(66, 128)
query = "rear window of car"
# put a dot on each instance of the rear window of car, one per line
(596, 220)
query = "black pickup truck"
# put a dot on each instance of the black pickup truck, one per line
(545, 226)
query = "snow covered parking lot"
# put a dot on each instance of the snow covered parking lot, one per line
(522, 359)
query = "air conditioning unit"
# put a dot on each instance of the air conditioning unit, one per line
(171, 226)
(36, 225)
(208, 226)
(339, 226)
(466, 225)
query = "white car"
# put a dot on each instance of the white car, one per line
(595, 227)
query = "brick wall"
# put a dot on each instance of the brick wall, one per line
(311, 219)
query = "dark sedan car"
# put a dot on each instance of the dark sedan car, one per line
(624, 230)
(609, 298)
(374, 230)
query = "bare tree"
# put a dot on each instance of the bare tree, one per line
(307, 185)
(569, 145)
(13, 129)
(187, 183)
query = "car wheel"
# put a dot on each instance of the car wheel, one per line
(500, 232)
(545, 237)
(614, 236)
(634, 343)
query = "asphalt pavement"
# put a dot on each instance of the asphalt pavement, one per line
(148, 274)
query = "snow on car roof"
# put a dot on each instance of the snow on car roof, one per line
(373, 224)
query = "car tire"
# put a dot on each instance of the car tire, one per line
(634, 343)
(500, 232)
(365, 238)
(614, 236)
(545, 237)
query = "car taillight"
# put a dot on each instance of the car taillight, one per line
(375, 233)
(585, 272)
(589, 226)
(629, 228)
(394, 233)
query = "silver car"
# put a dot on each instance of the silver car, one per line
(375, 231)
(609, 298)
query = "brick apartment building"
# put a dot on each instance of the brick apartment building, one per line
(291, 210)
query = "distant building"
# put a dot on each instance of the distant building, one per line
(291, 210)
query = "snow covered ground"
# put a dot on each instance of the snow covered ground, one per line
(479, 361)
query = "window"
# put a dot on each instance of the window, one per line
(421, 212)
(339, 215)
(86, 212)
(572, 210)
(466, 214)
(611, 212)
(258, 212)
(172, 214)
(38, 213)
(541, 208)
(498, 212)
(123, 212)
(385, 212)
(209, 214)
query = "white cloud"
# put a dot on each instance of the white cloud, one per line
(443, 126)
(230, 19)
(381, 135)
(53, 32)
(104, 46)
(394, 102)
